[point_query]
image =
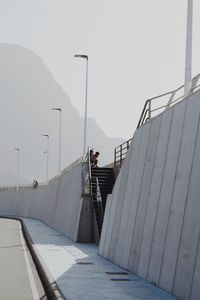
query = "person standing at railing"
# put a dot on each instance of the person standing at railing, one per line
(91, 153)
(35, 184)
(93, 159)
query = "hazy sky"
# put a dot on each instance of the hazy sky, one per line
(136, 50)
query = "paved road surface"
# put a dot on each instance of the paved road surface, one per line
(18, 276)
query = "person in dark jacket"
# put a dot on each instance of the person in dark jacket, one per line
(94, 160)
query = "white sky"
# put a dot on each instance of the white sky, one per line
(136, 50)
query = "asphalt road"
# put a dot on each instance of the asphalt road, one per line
(18, 276)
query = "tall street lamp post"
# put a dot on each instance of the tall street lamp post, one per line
(18, 165)
(188, 56)
(47, 153)
(86, 100)
(60, 110)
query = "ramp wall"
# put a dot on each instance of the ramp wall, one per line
(152, 219)
(59, 204)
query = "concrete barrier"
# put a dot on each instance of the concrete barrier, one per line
(59, 203)
(152, 220)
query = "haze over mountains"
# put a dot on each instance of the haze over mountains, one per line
(28, 91)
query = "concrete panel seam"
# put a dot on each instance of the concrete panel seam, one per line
(140, 192)
(185, 206)
(159, 196)
(193, 273)
(151, 182)
(155, 136)
(173, 189)
(128, 193)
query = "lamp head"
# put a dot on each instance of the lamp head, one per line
(81, 56)
(57, 108)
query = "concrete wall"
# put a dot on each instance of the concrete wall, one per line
(59, 203)
(152, 219)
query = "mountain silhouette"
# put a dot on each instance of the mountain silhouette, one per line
(28, 92)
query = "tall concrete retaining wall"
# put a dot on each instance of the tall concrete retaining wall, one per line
(152, 219)
(59, 203)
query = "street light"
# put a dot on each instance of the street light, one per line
(47, 152)
(60, 110)
(18, 163)
(86, 91)
(188, 55)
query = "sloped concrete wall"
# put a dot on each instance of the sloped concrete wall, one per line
(152, 219)
(59, 204)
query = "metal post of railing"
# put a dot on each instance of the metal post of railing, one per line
(142, 114)
(115, 159)
(149, 118)
(170, 99)
(121, 154)
(188, 54)
(99, 201)
(90, 173)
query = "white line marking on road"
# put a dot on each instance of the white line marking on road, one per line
(28, 267)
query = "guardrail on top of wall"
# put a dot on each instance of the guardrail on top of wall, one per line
(77, 162)
(120, 153)
(151, 107)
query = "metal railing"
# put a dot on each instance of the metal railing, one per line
(99, 201)
(90, 172)
(166, 100)
(82, 159)
(86, 175)
(120, 153)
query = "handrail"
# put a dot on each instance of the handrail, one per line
(99, 198)
(16, 187)
(149, 106)
(77, 162)
(99, 201)
(120, 152)
(143, 113)
(90, 172)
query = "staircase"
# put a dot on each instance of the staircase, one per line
(106, 181)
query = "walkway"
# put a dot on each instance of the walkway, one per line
(19, 279)
(83, 275)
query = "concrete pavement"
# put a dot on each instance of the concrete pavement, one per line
(81, 274)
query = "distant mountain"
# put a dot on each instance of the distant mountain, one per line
(28, 91)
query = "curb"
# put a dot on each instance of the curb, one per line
(49, 284)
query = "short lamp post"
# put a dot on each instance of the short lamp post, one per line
(188, 55)
(60, 110)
